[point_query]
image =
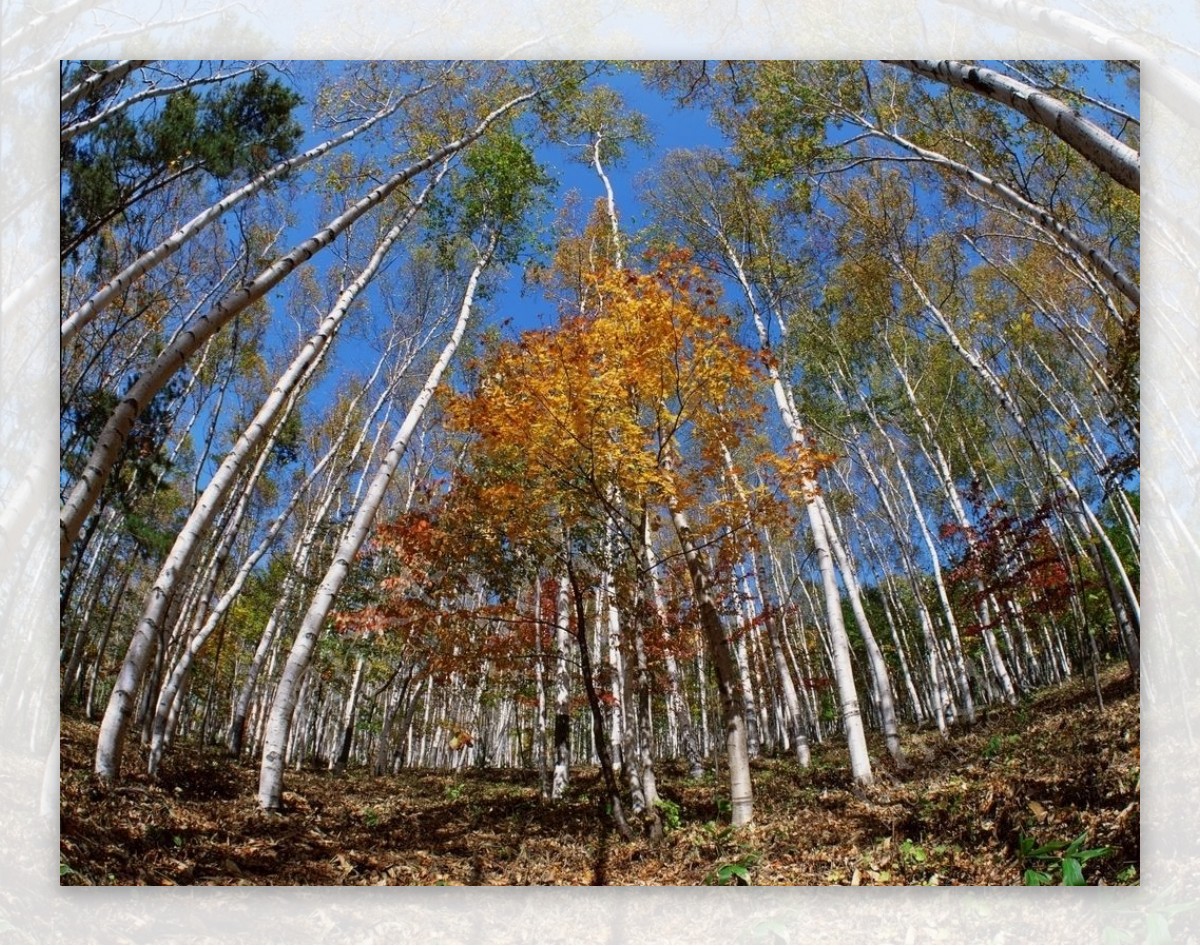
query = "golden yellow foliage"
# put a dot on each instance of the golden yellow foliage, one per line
(600, 404)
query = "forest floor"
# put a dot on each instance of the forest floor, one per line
(1050, 770)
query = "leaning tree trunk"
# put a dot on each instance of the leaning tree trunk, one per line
(1017, 205)
(120, 283)
(262, 428)
(183, 665)
(876, 663)
(741, 792)
(99, 80)
(1090, 524)
(270, 786)
(1090, 140)
(856, 740)
(617, 809)
(341, 755)
(677, 705)
(112, 438)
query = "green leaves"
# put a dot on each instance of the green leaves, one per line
(499, 186)
(502, 180)
(731, 874)
(1057, 858)
(911, 851)
(236, 127)
(670, 813)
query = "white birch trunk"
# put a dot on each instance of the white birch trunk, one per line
(341, 756)
(271, 775)
(610, 203)
(677, 706)
(263, 427)
(1091, 524)
(1090, 140)
(108, 446)
(152, 257)
(184, 663)
(98, 80)
(860, 762)
(737, 755)
(562, 693)
(876, 663)
(1033, 214)
(539, 755)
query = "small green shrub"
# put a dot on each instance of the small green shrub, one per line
(670, 813)
(733, 873)
(1057, 859)
(912, 852)
(997, 744)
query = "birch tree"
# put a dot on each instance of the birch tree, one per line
(99, 465)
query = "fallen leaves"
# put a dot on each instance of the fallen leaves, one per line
(956, 818)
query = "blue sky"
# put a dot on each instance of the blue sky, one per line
(512, 305)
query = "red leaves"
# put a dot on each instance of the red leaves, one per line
(1008, 558)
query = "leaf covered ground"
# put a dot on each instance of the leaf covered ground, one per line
(1050, 770)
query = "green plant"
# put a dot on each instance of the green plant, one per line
(1057, 858)
(717, 836)
(370, 816)
(455, 792)
(912, 852)
(996, 745)
(669, 811)
(733, 873)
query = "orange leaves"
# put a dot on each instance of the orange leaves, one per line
(590, 408)
(796, 469)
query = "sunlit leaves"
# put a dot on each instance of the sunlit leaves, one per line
(597, 407)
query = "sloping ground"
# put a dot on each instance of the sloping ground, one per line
(1050, 770)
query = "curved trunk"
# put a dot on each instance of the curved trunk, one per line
(341, 755)
(270, 786)
(737, 751)
(598, 739)
(677, 706)
(860, 761)
(1088, 519)
(610, 203)
(112, 439)
(183, 666)
(97, 81)
(262, 428)
(1090, 140)
(878, 667)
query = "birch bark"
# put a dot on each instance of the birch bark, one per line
(271, 774)
(1091, 141)
(99, 465)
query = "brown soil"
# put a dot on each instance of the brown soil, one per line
(1052, 769)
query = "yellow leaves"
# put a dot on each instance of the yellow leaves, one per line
(797, 469)
(629, 397)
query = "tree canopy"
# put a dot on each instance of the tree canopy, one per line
(542, 414)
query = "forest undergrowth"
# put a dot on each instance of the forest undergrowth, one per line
(972, 809)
